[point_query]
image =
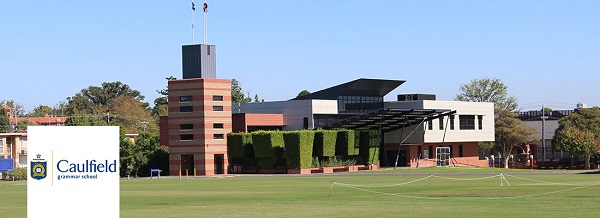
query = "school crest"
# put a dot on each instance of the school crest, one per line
(38, 167)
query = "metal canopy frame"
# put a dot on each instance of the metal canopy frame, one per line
(389, 119)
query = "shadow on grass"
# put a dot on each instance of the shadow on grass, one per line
(590, 172)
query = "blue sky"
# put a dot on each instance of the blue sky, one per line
(545, 51)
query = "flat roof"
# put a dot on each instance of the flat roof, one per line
(388, 119)
(358, 87)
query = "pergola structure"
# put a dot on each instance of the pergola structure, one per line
(388, 119)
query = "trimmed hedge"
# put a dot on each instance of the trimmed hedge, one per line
(267, 144)
(324, 143)
(356, 142)
(344, 144)
(298, 148)
(239, 145)
(370, 141)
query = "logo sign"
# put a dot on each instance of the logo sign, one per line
(38, 168)
(74, 171)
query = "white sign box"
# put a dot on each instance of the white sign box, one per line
(73, 171)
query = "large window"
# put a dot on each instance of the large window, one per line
(186, 109)
(185, 98)
(466, 122)
(359, 104)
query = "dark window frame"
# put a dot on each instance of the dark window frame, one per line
(217, 108)
(480, 122)
(441, 123)
(186, 137)
(218, 126)
(466, 122)
(186, 126)
(451, 122)
(217, 98)
(186, 98)
(186, 109)
(219, 136)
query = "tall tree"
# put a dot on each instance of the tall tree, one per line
(488, 90)
(131, 116)
(511, 132)
(579, 142)
(237, 93)
(585, 120)
(4, 121)
(94, 97)
(40, 111)
(161, 107)
(23, 124)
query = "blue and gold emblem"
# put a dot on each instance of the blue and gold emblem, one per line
(38, 167)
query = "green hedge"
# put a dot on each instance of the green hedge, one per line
(324, 144)
(267, 144)
(298, 148)
(344, 144)
(267, 163)
(235, 145)
(356, 142)
(369, 146)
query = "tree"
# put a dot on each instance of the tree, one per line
(585, 120)
(4, 121)
(23, 124)
(237, 93)
(130, 114)
(580, 142)
(303, 93)
(94, 97)
(511, 132)
(161, 107)
(40, 111)
(488, 90)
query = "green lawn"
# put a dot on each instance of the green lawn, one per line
(453, 192)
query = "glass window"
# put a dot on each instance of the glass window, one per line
(430, 125)
(186, 126)
(217, 126)
(460, 150)
(186, 137)
(480, 122)
(185, 98)
(217, 108)
(441, 123)
(467, 122)
(218, 136)
(217, 98)
(186, 109)
(451, 122)
(1, 146)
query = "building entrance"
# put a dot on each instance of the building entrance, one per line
(187, 164)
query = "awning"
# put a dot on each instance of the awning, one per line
(388, 119)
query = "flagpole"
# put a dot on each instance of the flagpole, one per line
(205, 29)
(193, 21)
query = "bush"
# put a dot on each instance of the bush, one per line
(324, 143)
(267, 163)
(267, 144)
(17, 173)
(370, 141)
(344, 144)
(357, 142)
(238, 143)
(298, 149)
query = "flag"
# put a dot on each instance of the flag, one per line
(193, 6)
(205, 7)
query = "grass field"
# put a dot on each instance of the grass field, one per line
(450, 192)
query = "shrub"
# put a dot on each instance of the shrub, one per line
(344, 144)
(267, 163)
(324, 143)
(238, 143)
(357, 142)
(369, 146)
(18, 173)
(298, 149)
(267, 144)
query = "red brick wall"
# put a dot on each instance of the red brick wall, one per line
(242, 121)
